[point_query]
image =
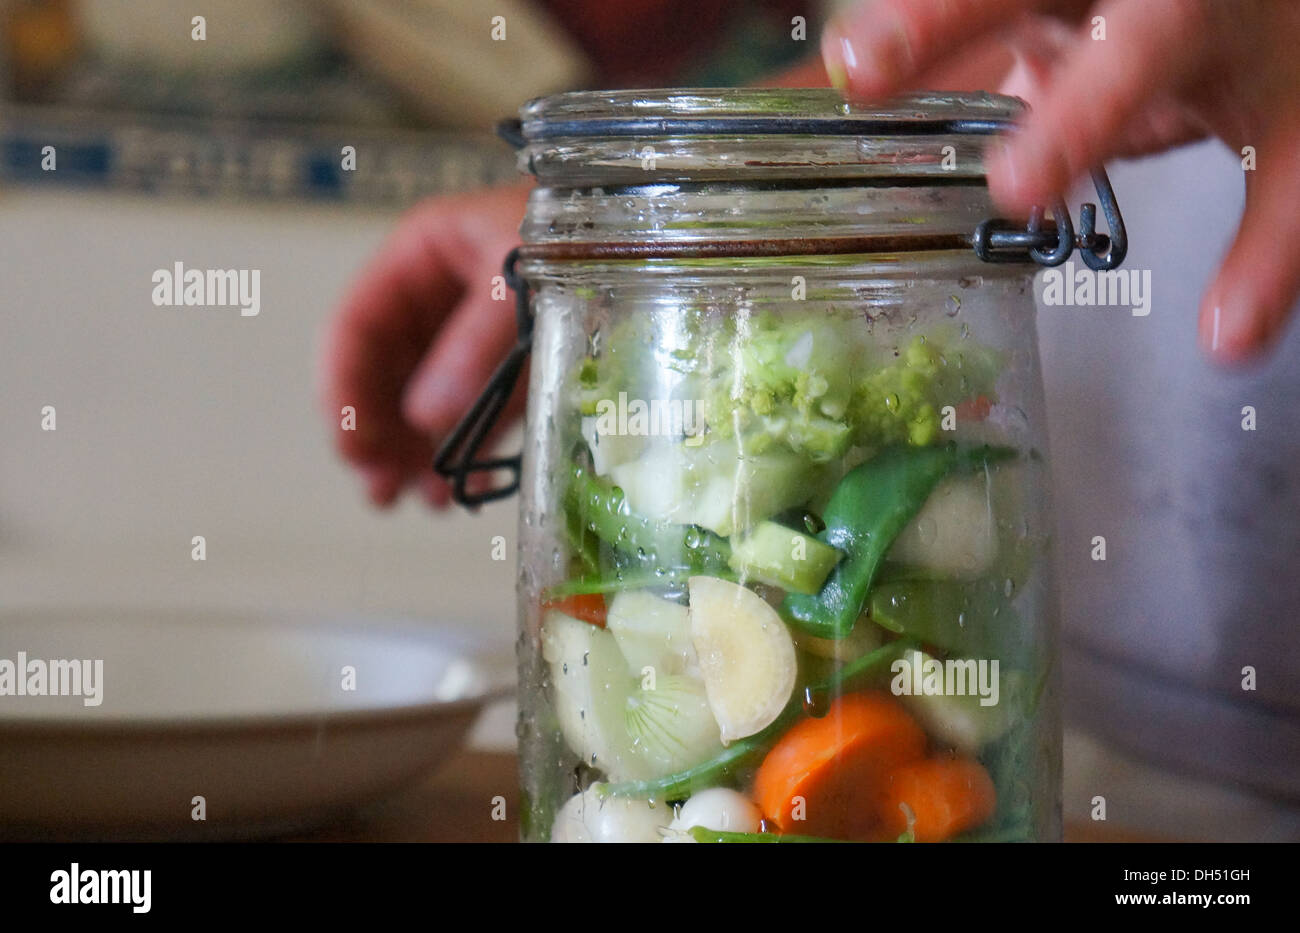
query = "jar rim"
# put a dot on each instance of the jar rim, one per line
(762, 111)
(586, 139)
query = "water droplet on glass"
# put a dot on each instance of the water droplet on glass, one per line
(952, 306)
(814, 702)
(1008, 587)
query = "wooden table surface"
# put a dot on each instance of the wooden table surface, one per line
(455, 805)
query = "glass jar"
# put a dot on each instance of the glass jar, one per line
(784, 520)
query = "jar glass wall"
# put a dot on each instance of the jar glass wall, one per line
(784, 518)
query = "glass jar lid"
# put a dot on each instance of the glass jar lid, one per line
(643, 149)
(755, 135)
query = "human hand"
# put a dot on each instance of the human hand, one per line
(1167, 72)
(417, 338)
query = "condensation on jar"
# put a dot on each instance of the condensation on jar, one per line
(786, 569)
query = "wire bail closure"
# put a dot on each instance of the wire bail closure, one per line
(457, 457)
(994, 240)
(998, 240)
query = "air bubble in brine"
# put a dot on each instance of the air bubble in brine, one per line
(815, 702)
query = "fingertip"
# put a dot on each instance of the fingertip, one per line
(1016, 177)
(857, 68)
(383, 484)
(435, 491)
(1233, 330)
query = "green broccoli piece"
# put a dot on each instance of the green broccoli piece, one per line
(901, 403)
(811, 384)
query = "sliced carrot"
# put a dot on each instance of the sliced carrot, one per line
(589, 607)
(945, 797)
(825, 776)
(975, 409)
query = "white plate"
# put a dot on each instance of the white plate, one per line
(248, 711)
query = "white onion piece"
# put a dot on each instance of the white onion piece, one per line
(718, 808)
(588, 818)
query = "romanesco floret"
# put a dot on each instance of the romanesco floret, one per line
(810, 384)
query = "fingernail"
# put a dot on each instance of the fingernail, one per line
(1016, 177)
(1002, 169)
(427, 400)
(1235, 328)
(836, 54)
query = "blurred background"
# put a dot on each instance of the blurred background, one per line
(226, 153)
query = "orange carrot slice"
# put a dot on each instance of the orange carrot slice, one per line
(588, 607)
(975, 409)
(944, 796)
(825, 776)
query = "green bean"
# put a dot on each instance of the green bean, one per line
(867, 511)
(603, 510)
(583, 545)
(971, 619)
